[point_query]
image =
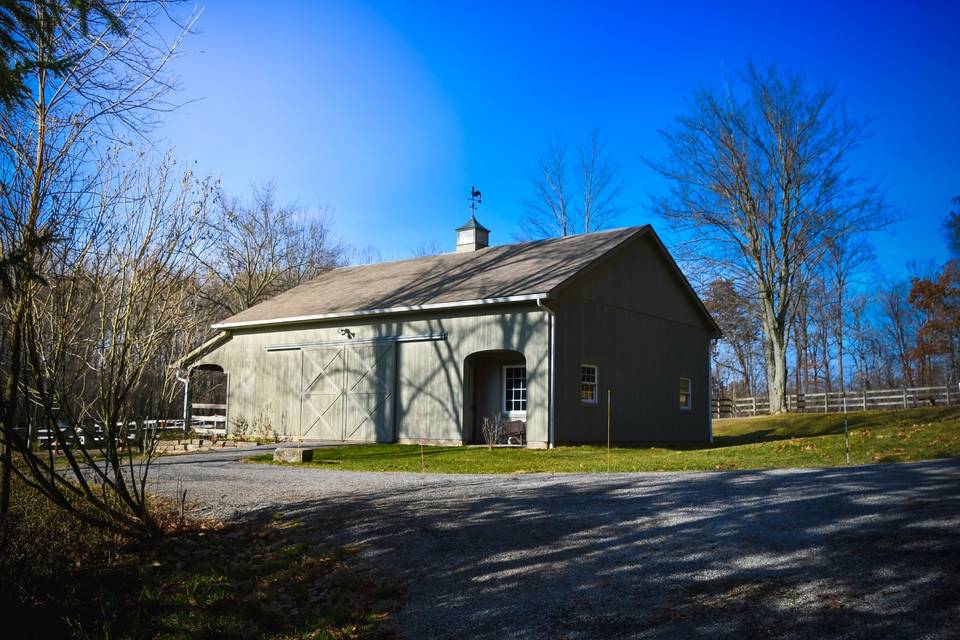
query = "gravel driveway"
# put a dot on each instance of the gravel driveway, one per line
(861, 552)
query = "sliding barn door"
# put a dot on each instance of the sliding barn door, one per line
(321, 404)
(348, 392)
(369, 392)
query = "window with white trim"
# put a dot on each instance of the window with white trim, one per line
(589, 379)
(515, 389)
(685, 393)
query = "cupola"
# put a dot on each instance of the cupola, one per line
(472, 236)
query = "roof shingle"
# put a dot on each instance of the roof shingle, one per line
(504, 271)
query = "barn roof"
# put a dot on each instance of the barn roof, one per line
(501, 274)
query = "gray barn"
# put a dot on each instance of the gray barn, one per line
(423, 349)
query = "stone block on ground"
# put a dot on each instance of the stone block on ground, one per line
(292, 454)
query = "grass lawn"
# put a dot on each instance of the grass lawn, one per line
(798, 440)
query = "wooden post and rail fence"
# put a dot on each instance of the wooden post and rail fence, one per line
(837, 401)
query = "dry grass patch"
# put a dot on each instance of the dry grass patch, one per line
(263, 579)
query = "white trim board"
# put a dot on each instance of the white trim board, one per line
(379, 312)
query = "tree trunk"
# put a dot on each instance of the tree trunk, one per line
(804, 338)
(11, 404)
(953, 361)
(744, 361)
(7, 472)
(775, 354)
(825, 347)
(777, 378)
(798, 366)
(838, 326)
(840, 380)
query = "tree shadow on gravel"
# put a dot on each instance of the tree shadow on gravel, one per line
(862, 552)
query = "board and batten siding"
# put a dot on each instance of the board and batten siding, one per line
(429, 390)
(631, 316)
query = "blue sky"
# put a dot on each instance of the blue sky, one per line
(389, 111)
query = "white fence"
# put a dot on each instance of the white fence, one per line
(92, 436)
(205, 419)
(836, 401)
(209, 424)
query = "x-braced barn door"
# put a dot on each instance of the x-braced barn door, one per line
(321, 403)
(348, 392)
(368, 392)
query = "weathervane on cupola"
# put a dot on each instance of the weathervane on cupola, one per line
(473, 235)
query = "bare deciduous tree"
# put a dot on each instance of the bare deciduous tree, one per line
(821, 315)
(548, 210)
(847, 256)
(365, 255)
(952, 224)
(601, 184)
(561, 206)
(761, 183)
(425, 249)
(100, 332)
(899, 326)
(255, 252)
(94, 77)
(740, 327)
(861, 340)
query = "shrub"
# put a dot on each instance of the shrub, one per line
(240, 428)
(492, 430)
